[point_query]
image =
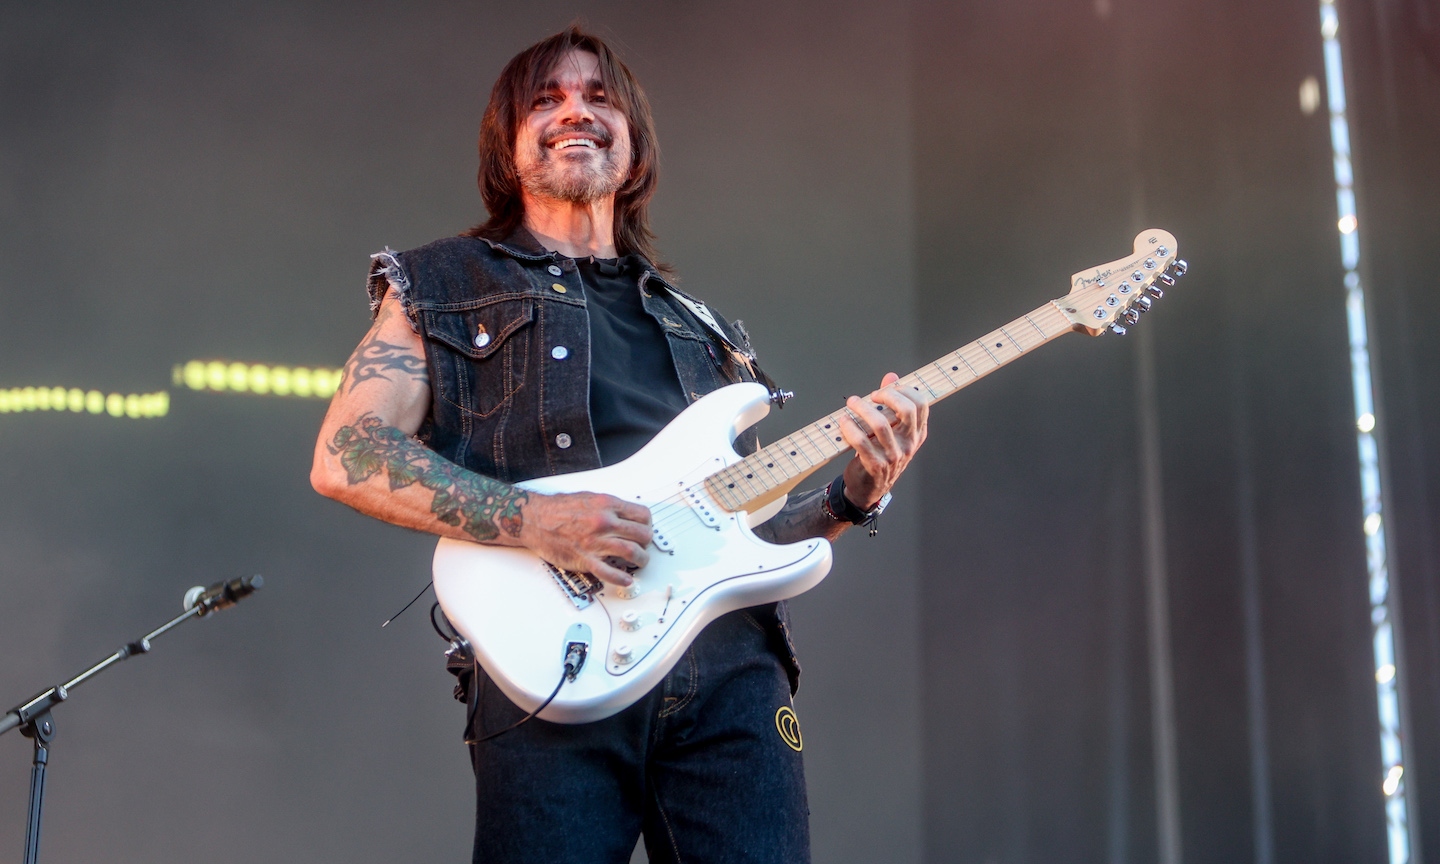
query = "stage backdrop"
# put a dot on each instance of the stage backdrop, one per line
(188, 197)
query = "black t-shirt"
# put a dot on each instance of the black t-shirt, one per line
(634, 390)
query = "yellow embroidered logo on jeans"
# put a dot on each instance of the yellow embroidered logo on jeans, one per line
(788, 725)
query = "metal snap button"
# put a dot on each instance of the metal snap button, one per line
(482, 338)
(559, 352)
(558, 288)
(554, 269)
(562, 441)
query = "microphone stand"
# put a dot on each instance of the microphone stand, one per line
(32, 717)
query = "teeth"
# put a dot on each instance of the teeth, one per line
(573, 142)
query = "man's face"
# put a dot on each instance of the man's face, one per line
(573, 146)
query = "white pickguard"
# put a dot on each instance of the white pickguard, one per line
(705, 561)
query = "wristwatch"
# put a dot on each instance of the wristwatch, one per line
(840, 508)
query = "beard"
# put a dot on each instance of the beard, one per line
(576, 177)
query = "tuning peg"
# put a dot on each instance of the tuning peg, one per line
(1180, 267)
(1155, 291)
(1167, 279)
(1130, 316)
(1116, 329)
(1143, 303)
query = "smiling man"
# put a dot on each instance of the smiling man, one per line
(546, 340)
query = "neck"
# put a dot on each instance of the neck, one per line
(572, 229)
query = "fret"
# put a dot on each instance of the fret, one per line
(777, 466)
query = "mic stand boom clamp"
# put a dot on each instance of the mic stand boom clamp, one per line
(32, 717)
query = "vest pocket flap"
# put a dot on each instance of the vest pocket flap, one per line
(479, 332)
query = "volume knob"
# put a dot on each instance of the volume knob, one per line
(627, 592)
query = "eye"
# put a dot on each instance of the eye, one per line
(545, 99)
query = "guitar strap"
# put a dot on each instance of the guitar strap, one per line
(743, 356)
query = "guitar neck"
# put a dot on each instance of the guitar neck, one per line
(778, 467)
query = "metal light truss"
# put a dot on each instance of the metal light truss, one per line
(1382, 601)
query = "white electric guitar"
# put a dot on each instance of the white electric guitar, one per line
(522, 615)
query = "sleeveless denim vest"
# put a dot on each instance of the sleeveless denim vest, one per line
(507, 341)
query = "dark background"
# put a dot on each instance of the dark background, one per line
(868, 187)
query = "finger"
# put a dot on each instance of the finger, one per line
(872, 458)
(624, 554)
(901, 403)
(880, 431)
(607, 573)
(632, 532)
(890, 378)
(629, 511)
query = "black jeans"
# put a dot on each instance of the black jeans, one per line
(707, 765)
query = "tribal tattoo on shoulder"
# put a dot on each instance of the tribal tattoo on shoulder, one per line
(478, 505)
(376, 358)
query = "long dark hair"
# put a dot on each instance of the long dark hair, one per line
(510, 103)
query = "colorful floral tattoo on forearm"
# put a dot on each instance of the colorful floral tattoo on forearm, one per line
(480, 506)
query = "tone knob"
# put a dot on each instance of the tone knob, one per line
(627, 592)
(623, 655)
(630, 620)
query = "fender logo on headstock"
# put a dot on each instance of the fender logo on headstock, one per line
(1112, 296)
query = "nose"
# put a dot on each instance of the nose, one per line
(576, 109)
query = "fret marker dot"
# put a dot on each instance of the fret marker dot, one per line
(731, 486)
(998, 345)
(769, 464)
(827, 425)
(837, 437)
(954, 368)
(792, 452)
(749, 476)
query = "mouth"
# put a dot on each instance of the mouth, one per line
(573, 140)
(570, 143)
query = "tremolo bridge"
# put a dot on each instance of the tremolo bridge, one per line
(578, 587)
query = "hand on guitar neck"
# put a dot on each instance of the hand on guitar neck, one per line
(885, 430)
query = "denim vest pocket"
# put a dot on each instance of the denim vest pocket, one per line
(482, 353)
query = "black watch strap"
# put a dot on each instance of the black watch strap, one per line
(841, 509)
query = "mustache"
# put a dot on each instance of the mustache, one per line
(594, 130)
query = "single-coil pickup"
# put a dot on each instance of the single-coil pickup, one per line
(661, 541)
(577, 586)
(700, 503)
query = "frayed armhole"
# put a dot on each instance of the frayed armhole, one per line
(388, 274)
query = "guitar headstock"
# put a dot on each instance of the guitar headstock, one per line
(1112, 296)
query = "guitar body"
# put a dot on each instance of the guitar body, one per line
(519, 613)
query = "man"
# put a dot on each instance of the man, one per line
(546, 341)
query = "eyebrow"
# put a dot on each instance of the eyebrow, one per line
(591, 86)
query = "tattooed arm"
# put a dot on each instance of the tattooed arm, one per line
(367, 457)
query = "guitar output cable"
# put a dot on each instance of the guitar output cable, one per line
(575, 654)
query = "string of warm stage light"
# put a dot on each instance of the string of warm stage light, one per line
(220, 376)
(216, 376)
(1383, 603)
(136, 406)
